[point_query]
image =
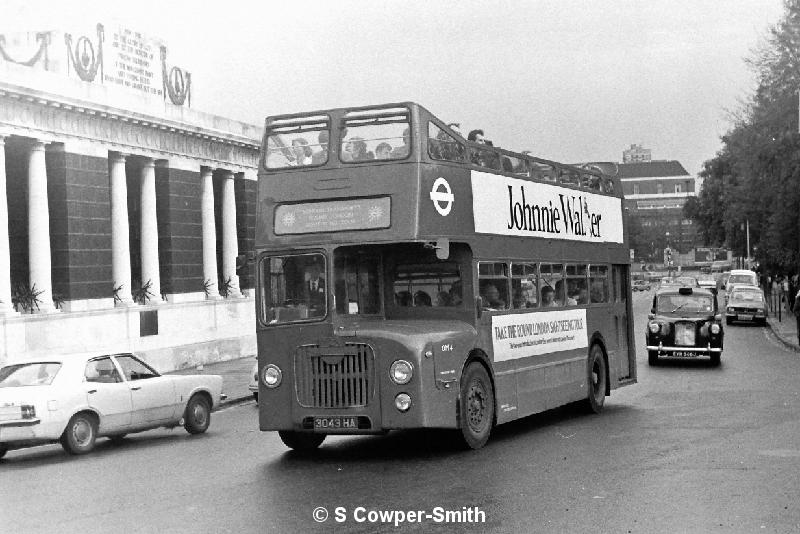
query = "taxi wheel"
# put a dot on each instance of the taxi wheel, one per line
(652, 357)
(715, 358)
(197, 416)
(80, 434)
(301, 441)
(597, 380)
(477, 406)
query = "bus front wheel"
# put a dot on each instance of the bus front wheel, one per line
(597, 380)
(476, 406)
(301, 441)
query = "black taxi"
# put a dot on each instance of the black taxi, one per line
(684, 322)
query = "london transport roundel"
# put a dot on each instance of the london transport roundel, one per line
(442, 196)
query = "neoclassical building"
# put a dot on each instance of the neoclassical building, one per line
(125, 215)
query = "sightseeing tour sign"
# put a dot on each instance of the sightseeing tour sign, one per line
(509, 206)
(520, 335)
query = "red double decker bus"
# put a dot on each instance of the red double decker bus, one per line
(408, 278)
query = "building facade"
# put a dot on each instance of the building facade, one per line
(124, 214)
(655, 193)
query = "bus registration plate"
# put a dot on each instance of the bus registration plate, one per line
(328, 423)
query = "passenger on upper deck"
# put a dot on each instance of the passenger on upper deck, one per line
(456, 127)
(302, 152)
(403, 151)
(383, 151)
(357, 150)
(317, 158)
(476, 136)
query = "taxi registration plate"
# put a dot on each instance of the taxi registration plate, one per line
(335, 423)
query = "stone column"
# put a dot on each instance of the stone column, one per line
(120, 237)
(39, 263)
(230, 245)
(149, 235)
(6, 307)
(209, 234)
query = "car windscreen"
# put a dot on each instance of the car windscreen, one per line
(741, 279)
(684, 303)
(28, 374)
(747, 294)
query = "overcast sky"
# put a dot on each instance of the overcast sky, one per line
(571, 81)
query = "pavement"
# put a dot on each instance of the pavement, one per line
(236, 376)
(785, 329)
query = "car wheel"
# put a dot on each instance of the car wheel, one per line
(3, 450)
(476, 406)
(652, 357)
(80, 434)
(715, 358)
(301, 441)
(197, 416)
(597, 380)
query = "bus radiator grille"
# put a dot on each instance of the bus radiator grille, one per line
(334, 377)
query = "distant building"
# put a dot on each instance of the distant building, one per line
(636, 154)
(655, 192)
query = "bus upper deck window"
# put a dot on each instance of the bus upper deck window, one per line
(443, 146)
(377, 136)
(296, 148)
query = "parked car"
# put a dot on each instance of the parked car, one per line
(746, 303)
(253, 385)
(707, 282)
(684, 322)
(640, 285)
(76, 399)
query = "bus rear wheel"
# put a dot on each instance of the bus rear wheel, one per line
(597, 380)
(476, 406)
(301, 441)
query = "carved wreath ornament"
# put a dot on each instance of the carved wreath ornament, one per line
(83, 57)
(177, 82)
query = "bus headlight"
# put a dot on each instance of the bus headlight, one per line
(272, 376)
(401, 372)
(654, 328)
(402, 402)
(714, 328)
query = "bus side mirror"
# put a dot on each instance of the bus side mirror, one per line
(479, 306)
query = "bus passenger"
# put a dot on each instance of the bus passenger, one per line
(422, 299)
(456, 293)
(383, 151)
(548, 297)
(357, 149)
(302, 152)
(476, 136)
(403, 151)
(318, 158)
(491, 298)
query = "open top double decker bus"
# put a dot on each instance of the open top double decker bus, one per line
(408, 278)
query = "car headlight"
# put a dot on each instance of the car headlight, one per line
(654, 328)
(272, 376)
(714, 328)
(401, 372)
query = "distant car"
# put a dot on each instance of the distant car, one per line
(684, 323)
(77, 399)
(707, 282)
(746, 303)
(253, 386)
(640, 285)
(741, 277)
(679, 281)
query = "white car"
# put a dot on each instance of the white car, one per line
(77, 399)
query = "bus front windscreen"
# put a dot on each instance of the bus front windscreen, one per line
(294, 288)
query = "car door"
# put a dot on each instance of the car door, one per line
(152, 395)
(108, 394)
